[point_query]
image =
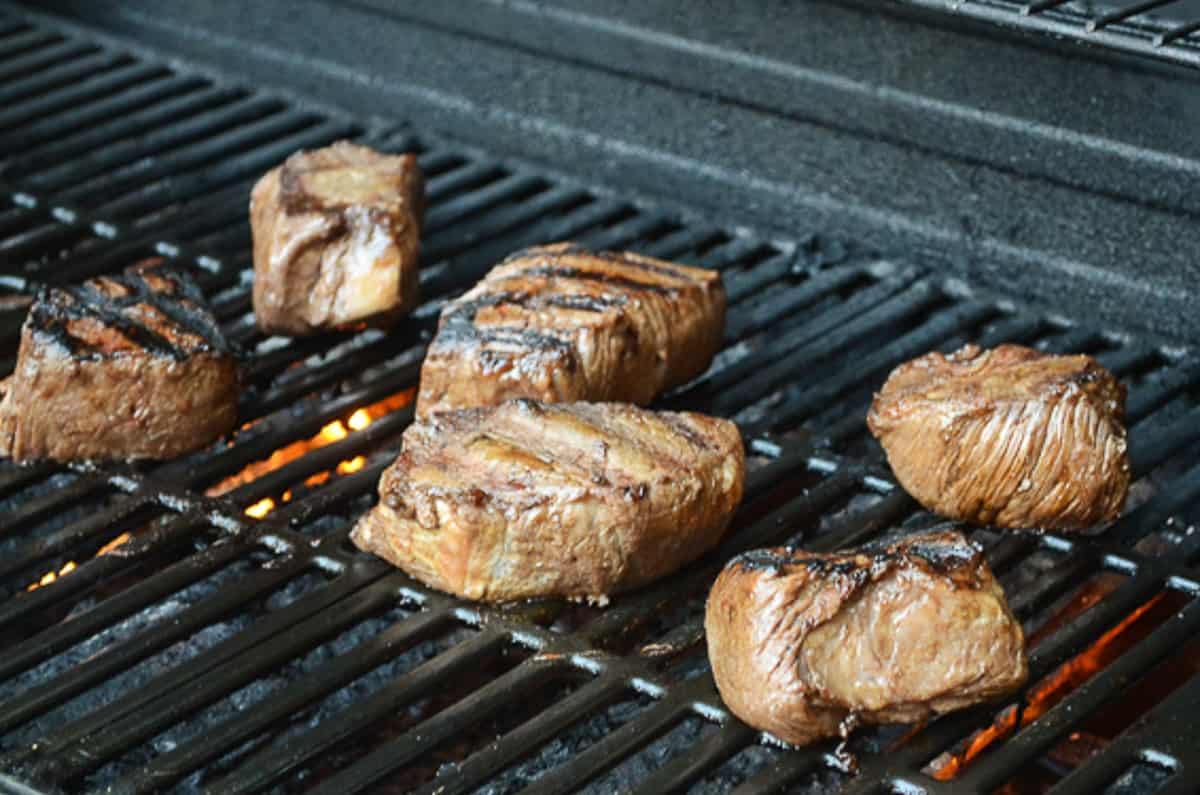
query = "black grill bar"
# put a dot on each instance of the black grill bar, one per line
(989, 772)
(263, 768)
(1159, 29)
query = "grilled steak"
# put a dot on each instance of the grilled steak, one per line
(578, 500)
(128, 366)
(805, 645)
(559, 323)
(335, 239)
(1011, 437)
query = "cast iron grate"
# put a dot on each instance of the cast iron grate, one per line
(1165, 29)
(203, 625)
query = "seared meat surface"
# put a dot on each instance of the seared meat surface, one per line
(579, 500)
(336, 232)
(560, 323)
(804, 645)
(120, 367)
(1010, 437)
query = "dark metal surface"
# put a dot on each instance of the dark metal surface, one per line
(218, 652)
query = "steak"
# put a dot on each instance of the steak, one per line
(119, 367)
(579, 500)
(1010, 437)
(805, 645)
(560, 323)
(336, 233)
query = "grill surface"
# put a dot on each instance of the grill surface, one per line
(1165, 29)
(209, 648)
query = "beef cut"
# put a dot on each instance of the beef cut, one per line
(805, 645)
(336, 234)
(579, 500)
(1010, 437)
(559, 323)
(120, 367)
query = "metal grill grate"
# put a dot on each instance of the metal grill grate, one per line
(155, 635)
(1165, 29)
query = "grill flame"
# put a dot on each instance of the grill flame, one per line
(1058, 685)
(70, 565)
(332, 433)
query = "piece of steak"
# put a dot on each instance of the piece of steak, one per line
(805, 645)
(559, 323)
(119, 367)
(1010, 437)
(336, 233)
(578, 500)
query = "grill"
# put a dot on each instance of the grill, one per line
(204, 625)
(1163, 29)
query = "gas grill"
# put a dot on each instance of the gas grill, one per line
(204, 625)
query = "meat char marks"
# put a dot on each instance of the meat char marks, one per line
(1011, 437)
(336, 234)
(559, 323)
(577, 500)
(119, 367)
(803, 645)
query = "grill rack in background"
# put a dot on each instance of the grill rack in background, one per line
(1167, 30)
(115, 157)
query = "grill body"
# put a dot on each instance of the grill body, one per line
(204, 625)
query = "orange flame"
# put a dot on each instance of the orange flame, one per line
(334, 432)
(1049, 691)
(51, 576)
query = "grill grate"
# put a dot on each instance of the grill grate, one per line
(157, 635)
(1168, 30)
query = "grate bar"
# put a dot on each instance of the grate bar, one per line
(917, 298)
(262, 768)
(107, 165)
(613, 748)
(477, 768)
(1161, 731)
(113, 661)
(678, 773)
(796, 406)
(147, 721)
(998, 764)
(72, 133)
(500, 692)
(174, 765)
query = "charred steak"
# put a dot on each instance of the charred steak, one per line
(560, 323)
(120, 367)
(1010, 437)
(335, 239)
(579, 500)
(805, 645)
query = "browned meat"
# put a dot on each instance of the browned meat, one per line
(335, 239)
(1010, 437)
(578, 500)
(805, 645)
(129, 366)
(559, 323)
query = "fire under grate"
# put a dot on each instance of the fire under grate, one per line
(204, 624)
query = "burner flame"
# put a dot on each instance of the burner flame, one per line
(1043, 696)
(331, 433)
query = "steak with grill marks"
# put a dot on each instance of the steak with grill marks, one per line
(119, 367)
(559, 323)
(579, 500)
(1011, 437)
(805, 645)
(336, 233)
